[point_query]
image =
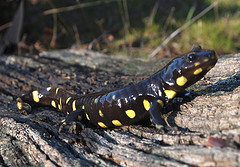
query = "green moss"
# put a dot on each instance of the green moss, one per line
(220, 35)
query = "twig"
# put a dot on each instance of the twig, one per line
(191, 12)
(101, 27)
(148, 24)
(168, 20)
(62, 24)
(153, 13)
(77, 37)
(176, 32)
(91, 28)
(126, 25)
(95, 40)
(54, 36)
(216, 13)
(125, 30)
(4, 26)
(73, 7)
(126, 15)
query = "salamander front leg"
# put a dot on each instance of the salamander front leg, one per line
(186, 95)
(156, 114)
(73, 119)
(22, 106)
(157, 117)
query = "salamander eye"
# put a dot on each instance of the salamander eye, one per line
(40, 95)
(191, 56)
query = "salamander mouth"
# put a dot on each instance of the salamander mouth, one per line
(213, 56)
(207, 60)
(210, 61)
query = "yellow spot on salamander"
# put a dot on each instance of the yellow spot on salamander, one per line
(49, 88)
(60, 104)
(205, 60)
(68, 100)
(79, 118)
(146, 104)
(53, 104)
(60, 107)
(116, 123)
(19, 105)
(210, 67)
(102, 124)
(160, 102)
(35, 96)
(57, 90)
(159, 127)
(197, 71)
(181, 80)
(130, 113)
(67, 113)
(19, 100)
(74, 105)
(196, 64)
(170, 93)
(87, 117)
(83, 107)
(100, 113)
(96, 99)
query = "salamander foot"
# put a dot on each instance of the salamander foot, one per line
(25, 108)
(74, 127)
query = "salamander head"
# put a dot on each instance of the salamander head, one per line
(184, 71)
(34, 99)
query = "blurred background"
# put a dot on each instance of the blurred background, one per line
(121, 27)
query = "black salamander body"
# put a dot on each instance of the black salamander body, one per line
(131, 104)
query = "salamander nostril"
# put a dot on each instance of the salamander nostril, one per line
(213, 54)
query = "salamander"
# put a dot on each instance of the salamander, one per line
(132, 104)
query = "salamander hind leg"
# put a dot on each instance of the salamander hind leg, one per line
(73, 119)
(157, 117)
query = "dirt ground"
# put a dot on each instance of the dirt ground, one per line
(209, 124)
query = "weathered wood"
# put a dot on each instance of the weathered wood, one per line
(33, 139)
